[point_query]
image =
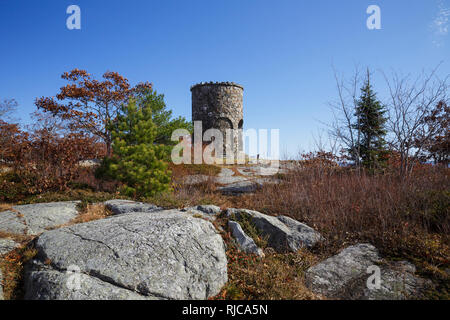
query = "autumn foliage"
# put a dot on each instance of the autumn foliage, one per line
(89, 104)
(42, 159)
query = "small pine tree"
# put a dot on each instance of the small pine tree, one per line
(138, 161)
(371, 127)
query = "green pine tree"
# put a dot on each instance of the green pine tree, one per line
(371, 121)
(138, 162)
(161, 116)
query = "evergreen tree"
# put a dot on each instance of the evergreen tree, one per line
(161, 116)
(138, 162)
(371, 121)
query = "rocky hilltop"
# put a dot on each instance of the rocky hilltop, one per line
(142, 251)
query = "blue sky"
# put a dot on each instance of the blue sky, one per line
(282, 51)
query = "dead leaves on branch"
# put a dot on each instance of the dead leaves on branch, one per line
(90, 104)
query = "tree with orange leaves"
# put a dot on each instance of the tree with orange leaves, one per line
(88, 104)
(437, 144)
(10, 138)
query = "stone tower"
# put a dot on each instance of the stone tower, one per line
(219, 105)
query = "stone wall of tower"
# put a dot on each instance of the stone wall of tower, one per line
(219, 105)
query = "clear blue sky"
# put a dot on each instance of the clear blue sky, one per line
(281, 51)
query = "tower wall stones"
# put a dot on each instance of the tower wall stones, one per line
(219, 105)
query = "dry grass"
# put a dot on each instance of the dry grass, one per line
(185, 195)
(88, 212)
(5, 207)
(12, 268)
(404, 218)
(347, 207)
(274, 277)
(16, 237)
(236, 172)
(92, 212)
(84, 195)
(193, 169)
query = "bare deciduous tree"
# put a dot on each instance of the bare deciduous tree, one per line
(342, 128)
(7, 108)
(410, 103)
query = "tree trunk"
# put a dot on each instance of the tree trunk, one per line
(108, 148)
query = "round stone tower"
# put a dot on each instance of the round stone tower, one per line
(219, 105)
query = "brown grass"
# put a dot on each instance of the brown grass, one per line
(89, 212)
(12, 268)
(92, 212)
(404, 218)
(348, 207)
(16, 237)
(84, 195)
(237, 173)
(5, 207)
(274, 277)
(193, 169)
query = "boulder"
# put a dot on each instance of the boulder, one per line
(244, 242)
(225, 172)
(48, 284)
(158, 255)
(41, 216)
(267, 180)
(289, 236)
(227, 180)
(33, 219)
(119, 206)
(398, 282)
(259, 170)
(300, 232)
(206, 211)
(7, 245)
(246, 171)
(11, 222)
(196, 179)
(221, 179)
(240, 187)
(332, 275)
(346, 276)
(268, 170)
(209, 209)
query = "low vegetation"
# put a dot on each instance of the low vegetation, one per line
(12, 266)
(276, 276)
